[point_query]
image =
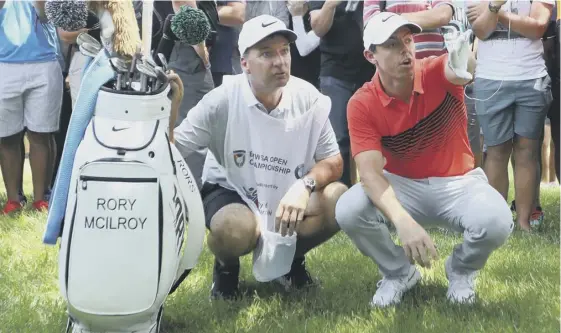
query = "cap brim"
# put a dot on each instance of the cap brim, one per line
(415, 29)
(288, 34)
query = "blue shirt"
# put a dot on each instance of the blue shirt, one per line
(23, 37)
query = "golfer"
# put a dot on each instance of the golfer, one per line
(412, 115)
(271, 187)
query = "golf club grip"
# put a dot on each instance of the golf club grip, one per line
(167, 42)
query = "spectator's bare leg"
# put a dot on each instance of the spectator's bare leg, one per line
(546, 150)
(39, 145)
(52, 161)
(525, 179)
(552, 174)
(10, 151)
(22, 161)
(496, 167)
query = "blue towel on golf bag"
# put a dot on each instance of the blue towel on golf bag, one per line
(98, 72)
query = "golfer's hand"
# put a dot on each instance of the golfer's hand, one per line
(459, 53)
(416, 243)
(291, 208)
(176, 97)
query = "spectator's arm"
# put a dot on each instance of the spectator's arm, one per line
(436, 17)
(40, 9)
(233, 14)
(177, 4)
(483, 21)
(322, 19)
(69, 37)
(306, 42)
(532, 26)
(200, 48)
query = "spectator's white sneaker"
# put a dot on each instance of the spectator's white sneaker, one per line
(391, 289)
(461, 287)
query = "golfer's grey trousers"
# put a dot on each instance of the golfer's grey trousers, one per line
(466, 204)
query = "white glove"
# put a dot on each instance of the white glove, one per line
(458, 55)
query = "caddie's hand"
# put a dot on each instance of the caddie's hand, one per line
(176, 86)
(297, 7)
(416, 243)
(459, 52)
(291, 208)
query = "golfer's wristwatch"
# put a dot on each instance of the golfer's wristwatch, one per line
(309, 183)
(494, 8)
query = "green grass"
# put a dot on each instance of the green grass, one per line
(518, 291)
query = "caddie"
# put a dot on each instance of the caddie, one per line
(271, 187)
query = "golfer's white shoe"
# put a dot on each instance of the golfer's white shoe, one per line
(391, 289)
(461, 287)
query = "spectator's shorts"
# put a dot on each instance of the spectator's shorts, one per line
(519, 107)
(473, 128)
(30, 96)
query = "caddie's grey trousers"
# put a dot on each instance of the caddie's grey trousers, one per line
(465, 203)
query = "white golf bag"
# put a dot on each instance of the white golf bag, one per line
(134, 224)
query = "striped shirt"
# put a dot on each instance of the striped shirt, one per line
(427, 43)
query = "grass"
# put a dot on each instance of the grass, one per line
(518, 291)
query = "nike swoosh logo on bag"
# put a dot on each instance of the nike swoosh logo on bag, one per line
(119, 129)
(264, 25)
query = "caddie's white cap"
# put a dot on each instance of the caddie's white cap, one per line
(258, 28)
(381, 26)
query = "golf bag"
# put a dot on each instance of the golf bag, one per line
(134, 222)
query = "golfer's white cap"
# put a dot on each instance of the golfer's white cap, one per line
(258, 28)
(381, 26)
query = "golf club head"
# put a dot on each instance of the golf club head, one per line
(89, 50)
(120, 65)
(163, 61)
(162, 77)
(146, 70)
(84, 37)
(148, 60)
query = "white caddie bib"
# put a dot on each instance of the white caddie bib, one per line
(263, 158)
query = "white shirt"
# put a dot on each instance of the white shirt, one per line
(205, 124)
(514, 57)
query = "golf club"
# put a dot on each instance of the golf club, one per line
(89, 50)
(161, 78)
(84, 37)
(121, 68)
(147, 71)
(149, 60)
(135, 58)
(163, 61)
